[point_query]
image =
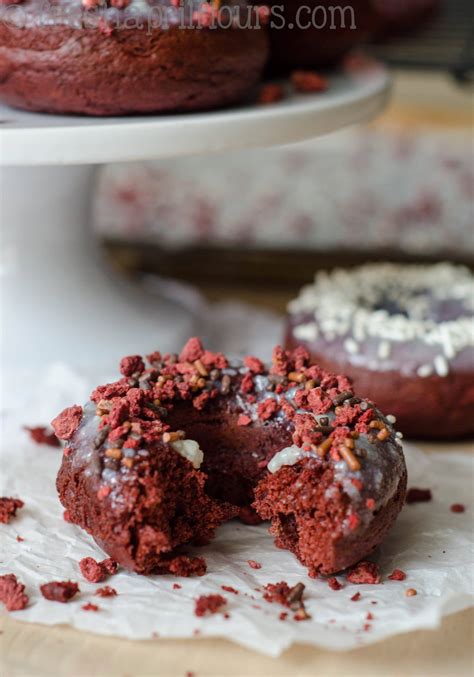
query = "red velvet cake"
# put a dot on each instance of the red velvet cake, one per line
(115, 57)
(158, 459)
(403, 334)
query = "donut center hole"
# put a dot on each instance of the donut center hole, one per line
(235, 457)
(416, 304)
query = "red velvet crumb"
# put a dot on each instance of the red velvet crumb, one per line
(8, 508)
(92, 570)
(90, 607)
(96, 572)
(41, 435)
(277, 592)
(12, 593)
(254, 364)
(192, 351)
(397, 575)
(308, 81)
(334, 584)
(66, 424)
(253, 564)
(59, 591)
(106, 591)
(267, 409)
(109, 565)
(354, 521)
(418, 496)
(247, 384)
(229, 588)
(209, 604)
(244, 420)
(364, 573)
(458, 507)
(270, 93)
(176, 586)
(356, 597)
(131, 365)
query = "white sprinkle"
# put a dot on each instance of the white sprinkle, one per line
(348, 303)
(191, 450)
(449, 351)
(288, 456)
(391, 419)
(306, 332)
(441, 365)
(351, 346)
(424, 371)
(384, 350)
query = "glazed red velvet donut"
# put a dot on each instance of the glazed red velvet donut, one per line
(181, 443)
(304, 34)
(128, 56)
(403, 334)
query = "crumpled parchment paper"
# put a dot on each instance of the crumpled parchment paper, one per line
(430, 543)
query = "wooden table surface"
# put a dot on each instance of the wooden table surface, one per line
(26, 649)
(37, 651)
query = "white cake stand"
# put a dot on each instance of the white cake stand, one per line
(58, 301)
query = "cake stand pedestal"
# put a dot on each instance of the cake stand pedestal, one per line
(58, 300)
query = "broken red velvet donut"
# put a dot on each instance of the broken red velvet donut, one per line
(158, 460)
(118, 57)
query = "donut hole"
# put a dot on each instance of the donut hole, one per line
(235, 456)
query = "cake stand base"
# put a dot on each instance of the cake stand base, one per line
(59, 301)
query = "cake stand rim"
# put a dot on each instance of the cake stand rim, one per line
(358, 95)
